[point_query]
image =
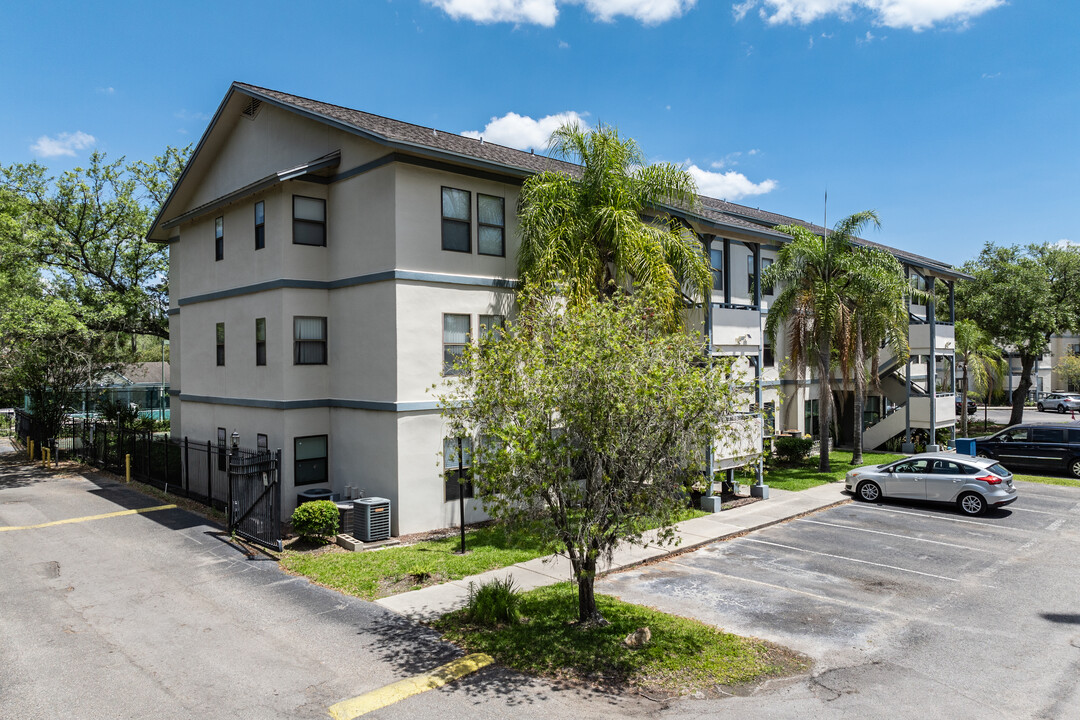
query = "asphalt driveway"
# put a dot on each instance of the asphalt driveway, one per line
(154, 614)
(909, 610)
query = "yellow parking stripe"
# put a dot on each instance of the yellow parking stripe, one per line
(396, 692)
(88, 517)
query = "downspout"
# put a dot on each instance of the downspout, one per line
(931, 445)
(710, 450)
(908, 446)
(759, 489)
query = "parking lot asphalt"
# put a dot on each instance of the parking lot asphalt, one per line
(109, 613)
(909, 610)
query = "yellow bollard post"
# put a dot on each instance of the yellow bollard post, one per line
(30, 449)
(127, 467)
(45, 458)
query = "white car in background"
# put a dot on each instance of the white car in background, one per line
(1062, 402)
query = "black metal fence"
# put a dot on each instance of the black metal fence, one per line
(188, 468)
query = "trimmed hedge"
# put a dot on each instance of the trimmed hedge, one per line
(790, 450)
(316, 519)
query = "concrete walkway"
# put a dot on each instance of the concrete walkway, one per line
(431, 602)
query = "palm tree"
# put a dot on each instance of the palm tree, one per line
(979, 359)
(583, 236)
(875, 312)
(815, 273)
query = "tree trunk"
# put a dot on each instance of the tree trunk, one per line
(824, 400)
(860, 394)
(963, 403)
(588, 615)
(1027, 363)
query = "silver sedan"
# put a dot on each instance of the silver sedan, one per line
(974, 484)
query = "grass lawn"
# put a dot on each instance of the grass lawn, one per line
(806, 475)
(683, 656)
(379, 573)
(1047, 480)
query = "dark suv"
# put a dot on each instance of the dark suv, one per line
(1052, 448)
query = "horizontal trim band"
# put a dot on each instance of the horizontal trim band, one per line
(384, 276)
(313, 403)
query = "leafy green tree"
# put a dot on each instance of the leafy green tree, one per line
(874, 310)
(590, 421)
(1021, 296)
(88, 228)
(1069, 369)
(816, 274)
(980, 363)
(583, 236)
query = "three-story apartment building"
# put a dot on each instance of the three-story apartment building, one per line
(326, 266)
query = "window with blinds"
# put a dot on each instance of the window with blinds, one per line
(456, 220)
(309, 340)
(491, 225)
(456, 332)
(309, 220)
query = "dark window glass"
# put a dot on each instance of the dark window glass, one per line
(492, 326)
(1074, 436)
(262, 442)
(455, 469)
(456, 332)
(456, 220)
(769, 419)
(260, 341)
(260, 226)
(751, 277)
(944, 467)
(716, 260)
(767, 357)
(811, 418)
(309, 221)
(221, 343)
(219, 238)
(222, 452)
(491, 225)
(310, 460)
(309, 340)
(1047, 435)
(766, 289)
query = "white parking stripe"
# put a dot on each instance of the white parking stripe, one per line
(881, 532)
(694, 569)
(1040, 512)
(938, 517)
(850, 559)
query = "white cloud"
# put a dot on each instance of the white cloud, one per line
(649, 12)
(739, 10)
(546, 12)
(912, 14)
(523, 132)
(729, 185)
(107, 90)
(991, 76)
(1066, 243)
(62, 144)
(563, 45)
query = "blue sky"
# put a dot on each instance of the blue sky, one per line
(957, 120)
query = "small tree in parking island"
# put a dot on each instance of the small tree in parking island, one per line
(590, 423)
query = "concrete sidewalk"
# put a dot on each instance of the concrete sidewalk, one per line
(431, 602)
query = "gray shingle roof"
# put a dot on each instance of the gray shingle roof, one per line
(396, 132)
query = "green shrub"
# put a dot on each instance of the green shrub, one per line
(316, 519)
(790, 450)
(495, 603)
